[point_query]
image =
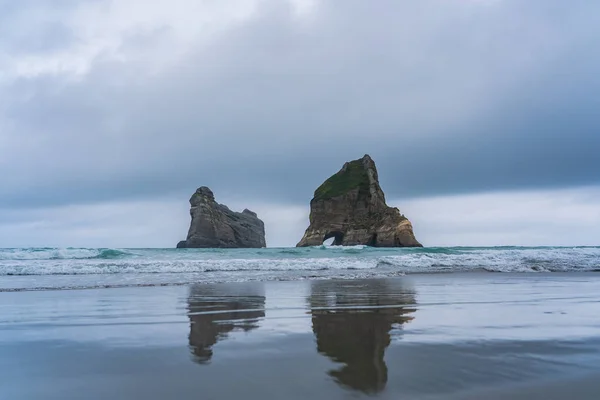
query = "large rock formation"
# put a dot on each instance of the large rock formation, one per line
(350, 207)
(216, 226)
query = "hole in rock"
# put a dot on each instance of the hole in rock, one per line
(337, 237)
(329, 242)
(373, 241)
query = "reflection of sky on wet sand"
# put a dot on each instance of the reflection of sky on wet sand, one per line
(352, 322)
(465, 307)
(455, 307)
(379, 337)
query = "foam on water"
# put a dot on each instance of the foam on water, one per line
(83, 267)
(46, 253)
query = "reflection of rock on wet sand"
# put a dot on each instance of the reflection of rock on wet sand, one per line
(214, 311)
(352, 321)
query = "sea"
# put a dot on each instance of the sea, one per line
(334, 323)
(27, 269)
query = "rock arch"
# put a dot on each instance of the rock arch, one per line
(338, 237)
(351, 206)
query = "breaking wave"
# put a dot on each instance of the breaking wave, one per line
(46, 253)
(75, 267)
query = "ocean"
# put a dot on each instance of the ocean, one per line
(84, 268)
(296, 323)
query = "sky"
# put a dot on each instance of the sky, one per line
(482, 116)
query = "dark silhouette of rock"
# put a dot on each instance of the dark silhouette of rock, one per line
(216, 226)
(350, 207)
(353, 322)
(214, 312)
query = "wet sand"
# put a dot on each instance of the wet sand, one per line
(446, 336)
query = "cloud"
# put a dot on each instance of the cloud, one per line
(566, 217)
(114, 103)
(108, 224)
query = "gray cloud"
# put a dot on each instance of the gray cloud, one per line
(448, 96)
(567, 217)
(46, 38)
(32, 26)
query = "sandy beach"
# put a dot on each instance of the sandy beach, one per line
(433, 336)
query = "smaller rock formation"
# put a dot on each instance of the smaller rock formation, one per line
(216, 226)
(350, 207)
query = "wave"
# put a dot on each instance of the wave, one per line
(71, 261)
(80, 267)
(47, 253)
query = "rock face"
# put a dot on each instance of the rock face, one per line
(216, 226)
(350, 207)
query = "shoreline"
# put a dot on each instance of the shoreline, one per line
(479, 272)
(434, 336)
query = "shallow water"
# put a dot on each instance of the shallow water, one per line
(49, 268)
(432, 336)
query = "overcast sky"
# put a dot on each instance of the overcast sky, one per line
(482, 115)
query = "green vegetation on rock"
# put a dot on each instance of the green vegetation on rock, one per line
(354, 176)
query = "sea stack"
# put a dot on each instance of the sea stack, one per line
(350, 207)
(214, 225)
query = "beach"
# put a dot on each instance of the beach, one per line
(464, 335)
(299, 200)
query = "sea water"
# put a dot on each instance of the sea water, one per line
(79, 268)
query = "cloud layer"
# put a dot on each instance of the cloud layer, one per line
(109, 103)
(567, 217)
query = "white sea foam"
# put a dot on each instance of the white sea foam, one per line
(90, 267)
